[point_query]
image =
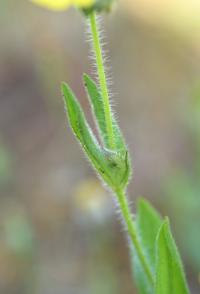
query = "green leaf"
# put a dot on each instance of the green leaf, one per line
(118, 160)
(81, 128)
(148, 222)
(96, 103)
(111, 165)
(142, 283)
(170, 277)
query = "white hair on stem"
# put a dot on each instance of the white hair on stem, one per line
(106, 59)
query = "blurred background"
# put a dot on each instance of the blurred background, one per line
(59, 230)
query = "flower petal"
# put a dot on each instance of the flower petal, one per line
(54, 4)
(83, 3)
(63, 4)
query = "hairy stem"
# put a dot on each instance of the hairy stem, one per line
(102, 78)
(125, 210)
(126, 213)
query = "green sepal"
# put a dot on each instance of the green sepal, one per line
(170, 276)
(118, 168)
(148, 222)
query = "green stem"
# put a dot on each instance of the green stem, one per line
(126, 213)
(102, 78)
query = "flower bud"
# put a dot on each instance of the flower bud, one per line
(99, 6)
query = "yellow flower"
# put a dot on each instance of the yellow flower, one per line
(63, 4)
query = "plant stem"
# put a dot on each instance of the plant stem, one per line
(126, 213)
(102, 78)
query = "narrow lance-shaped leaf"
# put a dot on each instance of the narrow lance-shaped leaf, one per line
(170, 277)
(148, 222)
(96, 102)
(81, 128)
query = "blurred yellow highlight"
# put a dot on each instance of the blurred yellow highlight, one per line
(91, 198)
(183, 16)
(62, 4)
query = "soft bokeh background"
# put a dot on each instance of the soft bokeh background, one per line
(59, 230)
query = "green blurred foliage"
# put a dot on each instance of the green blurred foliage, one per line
(19, 236)
(183, 186)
